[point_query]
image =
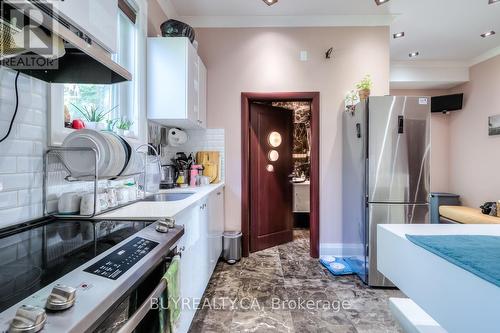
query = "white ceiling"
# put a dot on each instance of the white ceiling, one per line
(438, 29)
(283, 7)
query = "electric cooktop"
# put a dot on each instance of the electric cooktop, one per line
(36, 254)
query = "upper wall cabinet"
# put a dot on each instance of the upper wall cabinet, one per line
(177, 83)
(99, 19)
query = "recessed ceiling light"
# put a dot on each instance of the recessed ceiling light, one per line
(493, 1)
(270, 2)
(398, 35)
(488, 34)
(381, 2)
(414, 54)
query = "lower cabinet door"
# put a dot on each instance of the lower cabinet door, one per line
(202, 245)
(216, 225)
(190, 280)
(219, 223)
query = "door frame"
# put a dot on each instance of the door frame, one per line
(246, 99)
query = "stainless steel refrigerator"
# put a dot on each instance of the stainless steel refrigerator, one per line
(386, 174)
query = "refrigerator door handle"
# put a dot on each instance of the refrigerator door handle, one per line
(401, 124)
(358, 130)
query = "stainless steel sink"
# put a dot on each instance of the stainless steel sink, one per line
(165, 197)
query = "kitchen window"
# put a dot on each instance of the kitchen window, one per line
(116, 105)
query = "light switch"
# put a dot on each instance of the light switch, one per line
(303, 56)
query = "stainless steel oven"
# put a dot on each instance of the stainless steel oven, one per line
(104, 270)
(133, 313)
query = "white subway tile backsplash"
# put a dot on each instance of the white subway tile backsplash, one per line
(30, 132)
(21, 181)
(8, 165)
(30, 197)
(8, 200)
(20, 214)
(21, 148)
(200, 140)
(30, 116)
(21, 155)
(29, 164)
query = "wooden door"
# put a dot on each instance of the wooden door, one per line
(271, 142)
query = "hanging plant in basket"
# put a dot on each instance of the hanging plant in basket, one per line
(351, 99)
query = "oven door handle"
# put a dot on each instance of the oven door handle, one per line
(143, 310)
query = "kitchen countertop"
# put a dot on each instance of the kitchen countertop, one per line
(152, 210)
(455, 298)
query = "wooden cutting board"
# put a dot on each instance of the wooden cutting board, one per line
(210, 161)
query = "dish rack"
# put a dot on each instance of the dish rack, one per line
(57, 171)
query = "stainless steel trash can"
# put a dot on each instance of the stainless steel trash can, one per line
(232, 246)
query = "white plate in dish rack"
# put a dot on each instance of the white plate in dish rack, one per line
(79, 163)
(118, 156)
(136, 161)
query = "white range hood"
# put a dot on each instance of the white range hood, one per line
(56, 50)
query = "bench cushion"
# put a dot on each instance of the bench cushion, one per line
(467, 215)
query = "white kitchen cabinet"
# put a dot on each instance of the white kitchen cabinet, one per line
(202, 95)
(99, 19)
(177, 83)
(202, 245)
(216, 225)
(190, 285)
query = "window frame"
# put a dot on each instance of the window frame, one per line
(56, 130)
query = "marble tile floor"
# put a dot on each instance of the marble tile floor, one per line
(282, 289)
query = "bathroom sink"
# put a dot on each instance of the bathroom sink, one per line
(165, 197)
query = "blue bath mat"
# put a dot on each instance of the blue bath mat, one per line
(479, 255)
(336, 265)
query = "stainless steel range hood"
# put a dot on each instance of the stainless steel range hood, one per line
(80, 61)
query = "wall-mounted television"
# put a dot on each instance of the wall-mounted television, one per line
(447, 103)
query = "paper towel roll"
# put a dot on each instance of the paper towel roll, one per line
(177, 137)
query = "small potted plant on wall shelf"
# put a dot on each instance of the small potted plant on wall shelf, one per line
(93, 117)
(364, 87)
(123, 127)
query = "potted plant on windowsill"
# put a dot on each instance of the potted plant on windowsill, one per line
(123, 127)
(94, 119)
(364, 87)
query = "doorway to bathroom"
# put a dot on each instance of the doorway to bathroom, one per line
(280, 169)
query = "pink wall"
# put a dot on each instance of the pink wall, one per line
(440, 141)
(156, 16)
(474, 156)
(267, 60)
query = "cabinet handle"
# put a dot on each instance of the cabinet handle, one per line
(218, 193)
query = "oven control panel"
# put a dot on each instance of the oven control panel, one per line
(121, 260)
